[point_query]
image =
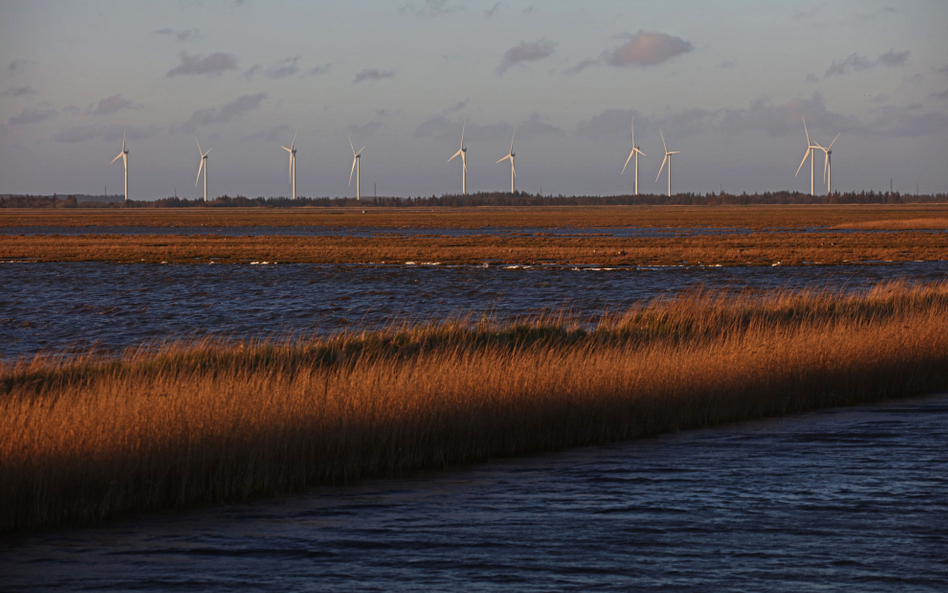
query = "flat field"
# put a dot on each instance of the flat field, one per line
(708, 235)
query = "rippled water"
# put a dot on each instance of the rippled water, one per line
(843, 500)
(56, 306)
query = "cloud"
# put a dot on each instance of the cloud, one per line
(582, 66)
(525, 52)
(184, 35)
(812, 77)
(430, 8)
(18, 65)
(215, 63)
(274, 134)
(492, 10)
(727, 64)
(942, 95)
(647, 48)
(387, 112)
(456, 107)
(32, 116)
(373, 74)
(320, 70)
(610, 121)
(226, 113)
(110, 105)
(252, 71)
(447, 130)
(17, 91)
(943, 71)
(857, 63)
(105, 132)
(364, 131)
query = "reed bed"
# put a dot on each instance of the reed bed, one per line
(223, 420)
(751, 216)
(754, 249)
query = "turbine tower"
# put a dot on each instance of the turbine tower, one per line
(292, 151)
(124, 156)
(828, 166)
(463, 153)
(203, 165)
(511, 155)
(636, 152)
(810, 147)
(667, 158)
(356, 161)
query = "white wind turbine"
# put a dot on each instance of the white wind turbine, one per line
(203, 165)
(828, 166)
(356, 162)
(463, 153)
(636, 152)
(292, 151)
(667, 158)
(810, 147)
(511, 155)
(124, 156)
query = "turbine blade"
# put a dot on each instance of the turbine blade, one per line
(208, 152)
(503, 159)
(291, 168)
(117, 158)
(199, 146)
(462, 132)
(351, 146)
(201, 166)
(806, 131)
(640, 152)
(123, 139)
(292, 146)
(512, 139)
(662, 167)
(456, 154)
(833, 142)
(351, 171)
(360, 151)
(627, 162)
(675, 152)
(805, 154)
(512, 168)
(663, 140)
(633, 133)
(825, 164)
(285, 148)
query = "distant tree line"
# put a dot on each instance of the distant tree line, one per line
(484, 199)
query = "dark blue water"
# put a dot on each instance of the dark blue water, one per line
(57, 306)
(844, 500)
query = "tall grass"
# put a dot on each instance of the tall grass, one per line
(220, 420)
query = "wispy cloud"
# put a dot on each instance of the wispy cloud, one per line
(525, 52)
(105, 132)
(430, 8)
(215, 63)
(274, 134)
(364, 131)
(320, 70)
(17, 91)
(647, 48)
(283, 68)
(110, 105)
(32, 116)
(373, 74)
(183, 35)
(857, 63)
(226, 113)
(19, 65)
(456, 107)
(942, 95)
(492, 10)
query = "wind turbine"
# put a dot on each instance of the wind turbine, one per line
(124, 156)
(356, 161)
(667, 158)
(828, 166)
(292, 151)
(203, 165)
(636, 152)
(511, 155)
(463, 153)
(810, 147)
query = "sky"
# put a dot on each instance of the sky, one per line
(726, 82)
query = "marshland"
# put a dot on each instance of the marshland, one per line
(325, 351)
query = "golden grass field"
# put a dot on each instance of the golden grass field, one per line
(751, 217)
(807, 235)
(167, 426)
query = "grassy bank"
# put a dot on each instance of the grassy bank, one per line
(163, 427)
(890, 216)
(753, 249)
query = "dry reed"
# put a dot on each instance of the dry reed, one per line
(166, 426)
